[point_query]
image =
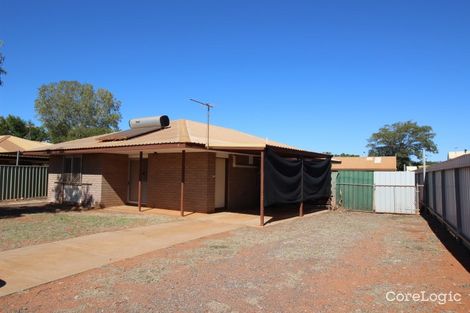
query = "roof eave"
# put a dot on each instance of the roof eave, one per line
(126, 148)
(297, 152)
(282, 150)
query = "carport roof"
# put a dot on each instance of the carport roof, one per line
(179, 132)
(12, 144)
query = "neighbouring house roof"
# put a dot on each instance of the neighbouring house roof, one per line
(12, 144)
(455, 154)
(179, 132)
(458, 162)
(384, 163)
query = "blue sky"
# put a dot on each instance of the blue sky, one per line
(321, 75)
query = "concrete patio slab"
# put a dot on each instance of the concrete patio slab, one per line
(242, 219)
(236, 218)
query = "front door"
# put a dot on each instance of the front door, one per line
(134, 180)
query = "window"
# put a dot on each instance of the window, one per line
(244, 161)
(72, 169)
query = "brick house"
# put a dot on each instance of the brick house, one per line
(169, 168)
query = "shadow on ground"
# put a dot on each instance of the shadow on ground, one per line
(460, 252)
(280, 212)
(16, 210)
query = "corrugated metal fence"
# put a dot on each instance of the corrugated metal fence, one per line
(395, 192)
(384, 192)
(22, 182)
(446, 194)
(354, 190)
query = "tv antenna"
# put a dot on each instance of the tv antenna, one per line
(209, 107)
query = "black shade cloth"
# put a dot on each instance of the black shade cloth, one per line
(288, 181)
(316, 179)
(282, 179)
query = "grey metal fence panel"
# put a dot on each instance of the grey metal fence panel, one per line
(395, 192)
(464, 203)
(430, 191)
(23, 182)
(449, 196)
(438, 192)
(421, 187)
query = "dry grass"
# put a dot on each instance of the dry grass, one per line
(31, 229)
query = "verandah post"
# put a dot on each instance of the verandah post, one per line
(139, 199)
(183, 169)
(301, 208)
(261, 190)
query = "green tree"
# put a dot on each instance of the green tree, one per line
(2, 59)
(341, 154)
(71, 110)
(346, 155)
(405, 140)
(16, 126)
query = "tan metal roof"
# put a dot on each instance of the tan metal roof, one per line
(179, 131)
(384, 163)
(12, 144)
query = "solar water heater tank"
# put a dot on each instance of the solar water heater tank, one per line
(161, 121)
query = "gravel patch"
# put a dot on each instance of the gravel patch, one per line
(332, 262)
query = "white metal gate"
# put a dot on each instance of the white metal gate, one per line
(395, 192)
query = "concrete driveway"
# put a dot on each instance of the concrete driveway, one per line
(31, 266)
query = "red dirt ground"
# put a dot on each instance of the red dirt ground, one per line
(333, 262)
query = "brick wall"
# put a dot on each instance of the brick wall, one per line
(114, 179)
(91, 180)
(54, 172)
(164, 178)
(242, 187)
(199, 187)
(88, 193)
(105, 180)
